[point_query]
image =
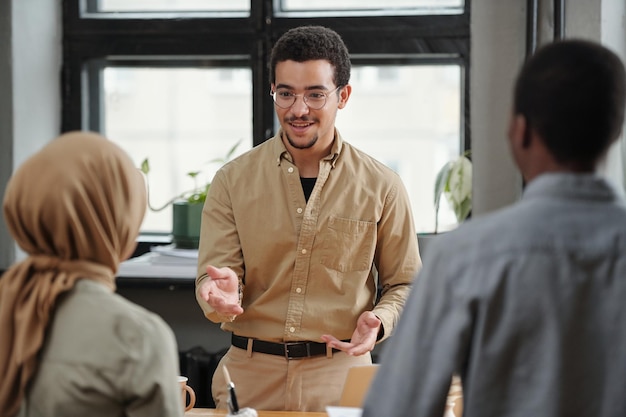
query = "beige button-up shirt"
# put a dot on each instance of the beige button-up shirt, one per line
(309, 268)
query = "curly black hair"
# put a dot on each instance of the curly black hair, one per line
(306, 43)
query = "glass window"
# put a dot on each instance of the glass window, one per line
(409, 118)
(416, 6)
(184, 80)
(406, 116)
(178, 118)
(173, 5)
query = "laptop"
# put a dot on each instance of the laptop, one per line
(357, 383)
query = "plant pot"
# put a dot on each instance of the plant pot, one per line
(186, 218)
(424, 240)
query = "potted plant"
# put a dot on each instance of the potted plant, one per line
(454, 181)
(187, 206)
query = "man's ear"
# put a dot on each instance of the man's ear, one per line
(344, 95)
(519, 132)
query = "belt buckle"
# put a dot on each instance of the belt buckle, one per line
(296, 350)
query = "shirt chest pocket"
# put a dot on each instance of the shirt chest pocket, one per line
(348, 244)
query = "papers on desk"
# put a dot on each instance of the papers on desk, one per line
(162, 261)
(168, 254)
(343, 411)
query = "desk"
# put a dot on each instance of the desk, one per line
(167, 287)
(155, 269)
(210, 412)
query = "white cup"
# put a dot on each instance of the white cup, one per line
(186, 389)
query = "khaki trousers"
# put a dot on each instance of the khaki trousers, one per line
(271, 382)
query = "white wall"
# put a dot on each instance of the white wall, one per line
(498, 48)
(30, 103)
(7, 252)
(613, 34)
(36, 74)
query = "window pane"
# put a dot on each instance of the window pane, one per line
(409, 118)
(173, 5)
(179, 119)
(430, 6)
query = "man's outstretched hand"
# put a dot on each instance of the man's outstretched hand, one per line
(221, 291)
(363, 339)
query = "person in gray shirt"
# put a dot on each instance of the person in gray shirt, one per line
(528, 304)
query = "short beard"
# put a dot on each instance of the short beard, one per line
(305, 146)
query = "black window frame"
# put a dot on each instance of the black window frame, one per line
(92, 41)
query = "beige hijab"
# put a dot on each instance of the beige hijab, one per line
(75, 208)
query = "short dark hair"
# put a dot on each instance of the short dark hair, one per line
(572, 94)
(306, 43)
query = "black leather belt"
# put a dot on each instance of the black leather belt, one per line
(290, 350)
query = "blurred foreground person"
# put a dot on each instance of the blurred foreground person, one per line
(69, 346)
(527, 304)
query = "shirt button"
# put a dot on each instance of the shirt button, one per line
(303, 251)
(298, 290)
(292, 329)
(299, 210)
(290, 170)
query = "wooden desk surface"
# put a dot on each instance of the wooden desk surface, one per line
(210, 412)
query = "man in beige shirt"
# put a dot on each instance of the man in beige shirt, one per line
(297, 235)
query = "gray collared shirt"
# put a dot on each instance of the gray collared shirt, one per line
(527, 304)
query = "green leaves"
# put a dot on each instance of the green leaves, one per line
(441, 182)
(199, 192)
(145, 166)
(454, 181)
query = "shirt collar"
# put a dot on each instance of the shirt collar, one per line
(280, 151)
(589, 186)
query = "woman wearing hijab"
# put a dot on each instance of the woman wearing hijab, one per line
(70, 346)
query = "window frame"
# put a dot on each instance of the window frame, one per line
(92, 41)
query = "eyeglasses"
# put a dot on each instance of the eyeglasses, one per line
(314, 99)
